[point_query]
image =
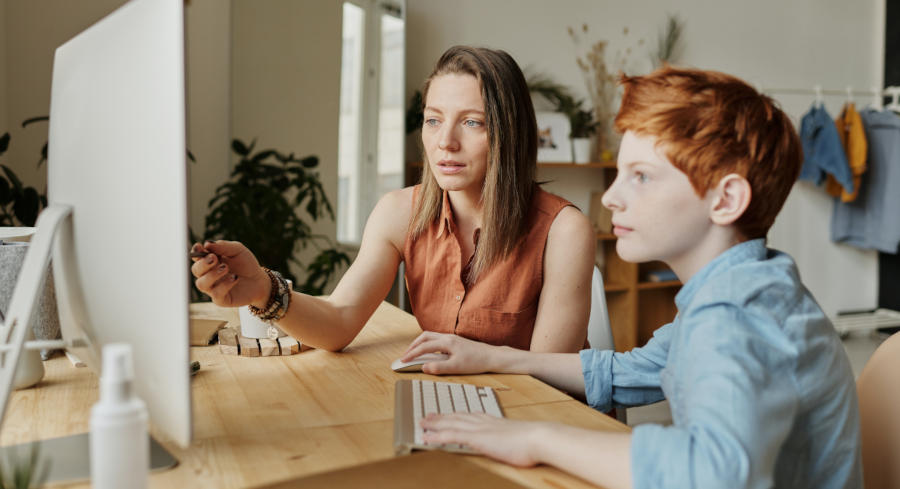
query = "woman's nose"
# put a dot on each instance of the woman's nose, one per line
(448, 140)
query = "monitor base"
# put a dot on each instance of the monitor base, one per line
(67, 459)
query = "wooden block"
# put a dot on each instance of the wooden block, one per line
(203, 328)
(289, 346)
(249, 347)
(305, 347)
(228, 349)
(228, 336)
(268, 348)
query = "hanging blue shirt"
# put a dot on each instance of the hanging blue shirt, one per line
(872, 221)
(822, 149)
(760, 388)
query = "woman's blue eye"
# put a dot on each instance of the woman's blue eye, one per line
(431, 122)
(473, 123)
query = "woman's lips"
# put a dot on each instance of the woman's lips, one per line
(449, 167)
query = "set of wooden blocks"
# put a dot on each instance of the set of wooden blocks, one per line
(232, 343)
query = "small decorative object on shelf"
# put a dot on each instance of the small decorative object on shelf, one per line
(663, 275)
(553, 137)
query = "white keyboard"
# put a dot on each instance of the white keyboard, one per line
(416, 399)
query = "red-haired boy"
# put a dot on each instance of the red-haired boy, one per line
(760, 388)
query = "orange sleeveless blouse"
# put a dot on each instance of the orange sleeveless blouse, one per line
(500, 308)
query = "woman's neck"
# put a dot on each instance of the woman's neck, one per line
(467, 209)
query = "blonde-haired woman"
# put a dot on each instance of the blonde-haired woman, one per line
(489, 255)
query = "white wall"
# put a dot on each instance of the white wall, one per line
(4, 123)
(208, 44)
(286, 76)
(769, 42)
(30, 33)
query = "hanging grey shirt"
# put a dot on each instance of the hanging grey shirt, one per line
(872, 221)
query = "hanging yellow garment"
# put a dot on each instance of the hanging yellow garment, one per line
(853, 137)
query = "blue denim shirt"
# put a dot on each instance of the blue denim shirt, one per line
(822, 149)
(760, 388)
(870, 221)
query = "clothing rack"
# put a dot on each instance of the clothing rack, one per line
(877, 94)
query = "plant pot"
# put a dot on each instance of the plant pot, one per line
(581, 150)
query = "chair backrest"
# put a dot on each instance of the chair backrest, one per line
(878, 387)
(599, 330)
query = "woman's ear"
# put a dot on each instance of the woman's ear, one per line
(732, 197)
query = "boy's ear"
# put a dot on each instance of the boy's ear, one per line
(731, 198)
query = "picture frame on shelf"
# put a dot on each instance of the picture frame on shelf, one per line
(553, 138)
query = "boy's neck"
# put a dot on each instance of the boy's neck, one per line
(717, 241)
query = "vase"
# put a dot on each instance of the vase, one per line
(581, 150)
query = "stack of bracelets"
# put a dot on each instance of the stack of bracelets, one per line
(279, 299)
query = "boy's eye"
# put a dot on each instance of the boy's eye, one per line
(473, 123)
(640, 177)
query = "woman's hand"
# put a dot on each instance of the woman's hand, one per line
(230, 274)
(465, 356)
(506, 440)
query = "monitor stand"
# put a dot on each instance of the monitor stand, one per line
(69, 456)
(67, 459)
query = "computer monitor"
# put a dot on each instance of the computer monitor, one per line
(117, 214)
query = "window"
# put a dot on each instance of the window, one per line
(371, 132)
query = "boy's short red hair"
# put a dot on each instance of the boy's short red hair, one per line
(710, 125)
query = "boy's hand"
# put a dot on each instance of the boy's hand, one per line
(465, 356)
(506, 440)
(229, 274)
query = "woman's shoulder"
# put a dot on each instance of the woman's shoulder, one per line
(548, 203)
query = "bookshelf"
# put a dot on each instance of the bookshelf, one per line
(637, 306)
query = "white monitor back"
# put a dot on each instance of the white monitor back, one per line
(117, 156)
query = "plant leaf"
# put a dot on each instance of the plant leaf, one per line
(4, 143)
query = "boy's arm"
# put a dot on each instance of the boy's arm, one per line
(600, 457)
(561, 370)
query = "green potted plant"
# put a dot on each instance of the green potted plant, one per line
(266, 204)
(19, 203)
(581, 121)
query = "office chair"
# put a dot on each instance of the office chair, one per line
(599, 328)
(878, 387)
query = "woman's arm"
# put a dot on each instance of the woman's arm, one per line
(332, 322)
(565, 303)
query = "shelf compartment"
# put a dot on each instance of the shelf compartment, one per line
(606, 236)
(658, 285)
(615, 287)
(595, 164)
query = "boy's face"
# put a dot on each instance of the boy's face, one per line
(656, 213)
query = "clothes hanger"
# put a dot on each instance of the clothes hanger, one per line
(877, 99)
(894, 92)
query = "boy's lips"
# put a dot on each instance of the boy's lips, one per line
(620, 230)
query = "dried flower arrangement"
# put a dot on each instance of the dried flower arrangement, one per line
(600, 82)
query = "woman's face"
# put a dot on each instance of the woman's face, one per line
(454, 133)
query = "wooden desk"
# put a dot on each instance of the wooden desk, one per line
(266, 419)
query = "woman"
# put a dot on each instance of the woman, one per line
(488, 254)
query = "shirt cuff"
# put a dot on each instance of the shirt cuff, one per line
(596, 366)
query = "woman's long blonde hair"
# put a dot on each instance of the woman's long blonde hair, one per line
(512, 155)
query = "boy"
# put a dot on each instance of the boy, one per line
(760, 388)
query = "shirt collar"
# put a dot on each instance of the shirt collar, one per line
(446, 219)
(752, 250)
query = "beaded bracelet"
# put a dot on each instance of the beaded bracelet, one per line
(279, 299)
